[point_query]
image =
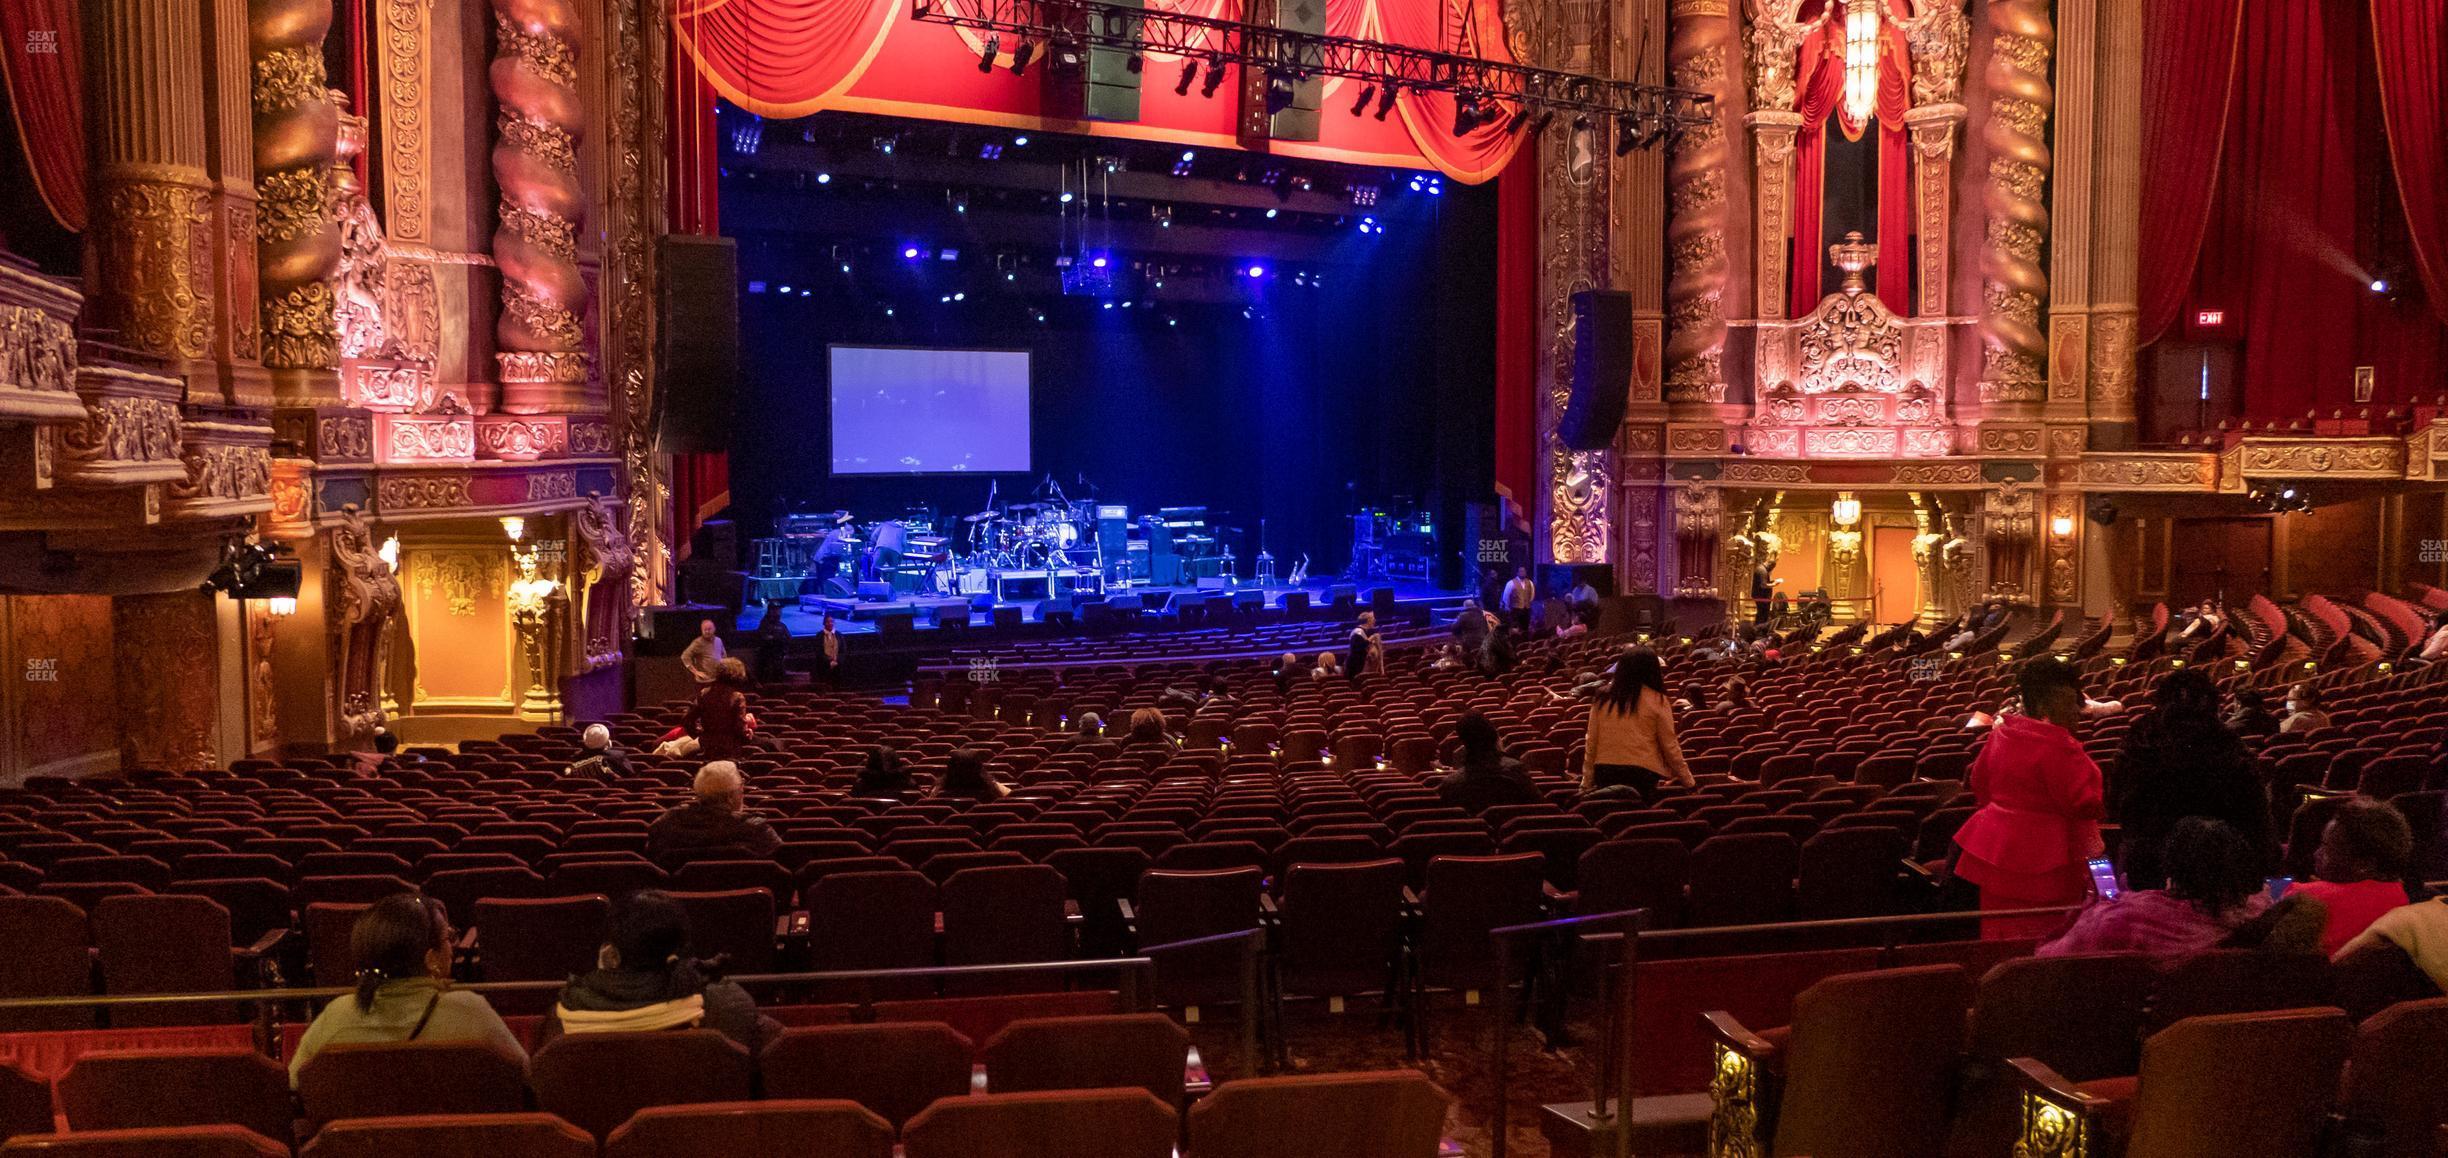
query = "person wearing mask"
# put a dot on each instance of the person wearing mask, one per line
(2359, 870)
(1631, 738)
(1487, 777)
(645, 981)
(2250, 717)
(2213, 888)
(828, 653)
(2179, 760)
(1519, 595)
(717, 820)
(965, 778)
(720, 720)
(883, 778)
(2039, 806)
(603, 758)
(704, 655)
(772, 646)
(2303, 711)
(402, 945)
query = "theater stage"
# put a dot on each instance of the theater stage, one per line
(855, 617)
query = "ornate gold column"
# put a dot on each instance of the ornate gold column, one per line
(167, 649)
(1939, 36)
(635, 75)
(1700, 38)
(296, 133)
(1574, 203)
(230, 153)
(2070, 216)
(535, 160)
(2014, 287)
(152, 231)
(2116, 183)
(1775, 56)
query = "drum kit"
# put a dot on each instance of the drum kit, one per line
(1028, 536)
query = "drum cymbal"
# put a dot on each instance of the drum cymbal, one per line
(982, 517)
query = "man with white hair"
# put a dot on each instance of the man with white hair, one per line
(716, 821)
(603, 757)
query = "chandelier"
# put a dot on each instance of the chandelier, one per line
(1861, 60)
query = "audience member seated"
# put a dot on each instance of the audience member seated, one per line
(720, 720)
(1487, 776)
(2436, 644)
(1470, 627)
(2249, 717)
(645, 981)
(883, 778)
(1631, 741)
(965, 778)
(603, 757)
(2040, 803)
(2303, 710)
(716, 821)
(2178, 760)
(384, 757)
(2421, 929)
(1329, 666)
(1148, 742)
(2359, 869)
(402, 945)
(2214, 888)
(1091, 726)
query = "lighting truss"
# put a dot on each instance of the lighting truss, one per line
(1660, 111)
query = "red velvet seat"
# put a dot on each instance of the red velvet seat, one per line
(47, 939)
(596, 1080)
(1143, 1050)
(1341, 927)
(1003, 915)
(186, 1087)
(397, 1079)
(537, 939)
(170, 1142)
(25, 1103)
(768, 1129)
(1117, 1123)
(895, 1069)
(1174, 907)
(169, 944)
(1391, 1114)
(737, 924)
(453, 1136)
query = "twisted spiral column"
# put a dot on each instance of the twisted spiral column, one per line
(535, 162)
(2014, 285)
(1699, 39)
(297, 132)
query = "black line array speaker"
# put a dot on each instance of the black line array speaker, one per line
(1602, 369)
(697, 344)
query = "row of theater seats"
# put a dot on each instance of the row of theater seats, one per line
(2235, 1054)
(1091, 1087)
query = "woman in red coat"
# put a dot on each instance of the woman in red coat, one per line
(720, 718)
(2040, 806)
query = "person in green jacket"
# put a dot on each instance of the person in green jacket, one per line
(403, 950)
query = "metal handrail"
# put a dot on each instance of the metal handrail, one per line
(1253, 983)
(1505, 936)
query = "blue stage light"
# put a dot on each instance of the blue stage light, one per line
(1270, 215)
(1109, 305)
(910, 252)
(1019, 140)
(1256, 270)
(1066, 197)
(824, 178)
(1099, 262)
(1187, 154)
(759, 287)
(960, 297)
(1415, 185)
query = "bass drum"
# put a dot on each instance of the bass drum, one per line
(1062, 534)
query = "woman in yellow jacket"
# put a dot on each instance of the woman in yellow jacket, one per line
(1631, 730)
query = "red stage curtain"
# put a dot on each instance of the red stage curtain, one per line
(47, 90)
(2280, 251)
(2188, 66)
(1453, 26)
(1517, 246)
(1819, 92)
(2410, 41)
(782, 58)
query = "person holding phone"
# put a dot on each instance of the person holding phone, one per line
(2028, 844)
(2214, 889)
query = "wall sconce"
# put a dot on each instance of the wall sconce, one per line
(2062, 526)
(515, 527)
(389, 552)
(1847, 510)
(281, 606)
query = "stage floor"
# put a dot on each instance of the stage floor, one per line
(806, 618)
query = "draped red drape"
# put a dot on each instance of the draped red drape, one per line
(2188, 66)
(1517, 246)
(782, 58)
(2410, 42)
(42, 58)
(700, 483)
(1451, 26)
(1819, 90)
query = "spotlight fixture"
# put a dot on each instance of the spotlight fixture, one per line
(1521, 120)
(1189, 73)
(1022, 55)
(1627, 136)
(1385, 101)
(1020, 142)
(2379, 285)
(1466, 114)
(910, 251)
(1544, 119)
(1360, 103)
(1271, 214)
(824, 178)
(1255, 270)
(1278, 94)
(1215, 76)
(986, 55)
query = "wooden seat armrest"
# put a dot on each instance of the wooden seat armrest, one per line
(1737, 1037)
(2037, 1077)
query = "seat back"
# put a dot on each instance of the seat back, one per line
(1742, 880)
(895, 1069)
(1097, 879)
(1387, 1114)
(1634, 874)
(1115, 1123)
(1181, 906)
(1146, 1050)
(184, 1087)
(2019, 1009)
(2393, 1090)
(538, 939)
(596, 1080)
(2238, 1085)
(399, 1079)
(156, 1142)
(328, 956)
(1465, 897)
(47, 939)
(1004, 914)
(872, 920)
(25, 1103)
(165, 944)
(1341, 926)
(453, 1136)
(768, 1129)
(2241, 981)
(1870, 1062)
(737, 924)
(1848, 872)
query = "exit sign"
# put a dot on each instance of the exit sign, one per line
(2209, 319)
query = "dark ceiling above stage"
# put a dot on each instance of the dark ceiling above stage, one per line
(844, 188)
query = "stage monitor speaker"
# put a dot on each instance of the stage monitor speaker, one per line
(1381, 601)
(716, 540)
(1295, 604)
(951, 615)
(697, 355)
(1602, 369)
(896, 621)
(1343, 597)
(1249, 601)
(871, 591)
(1127, 601)
(1009, 617)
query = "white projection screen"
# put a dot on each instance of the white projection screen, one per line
(905, 410)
